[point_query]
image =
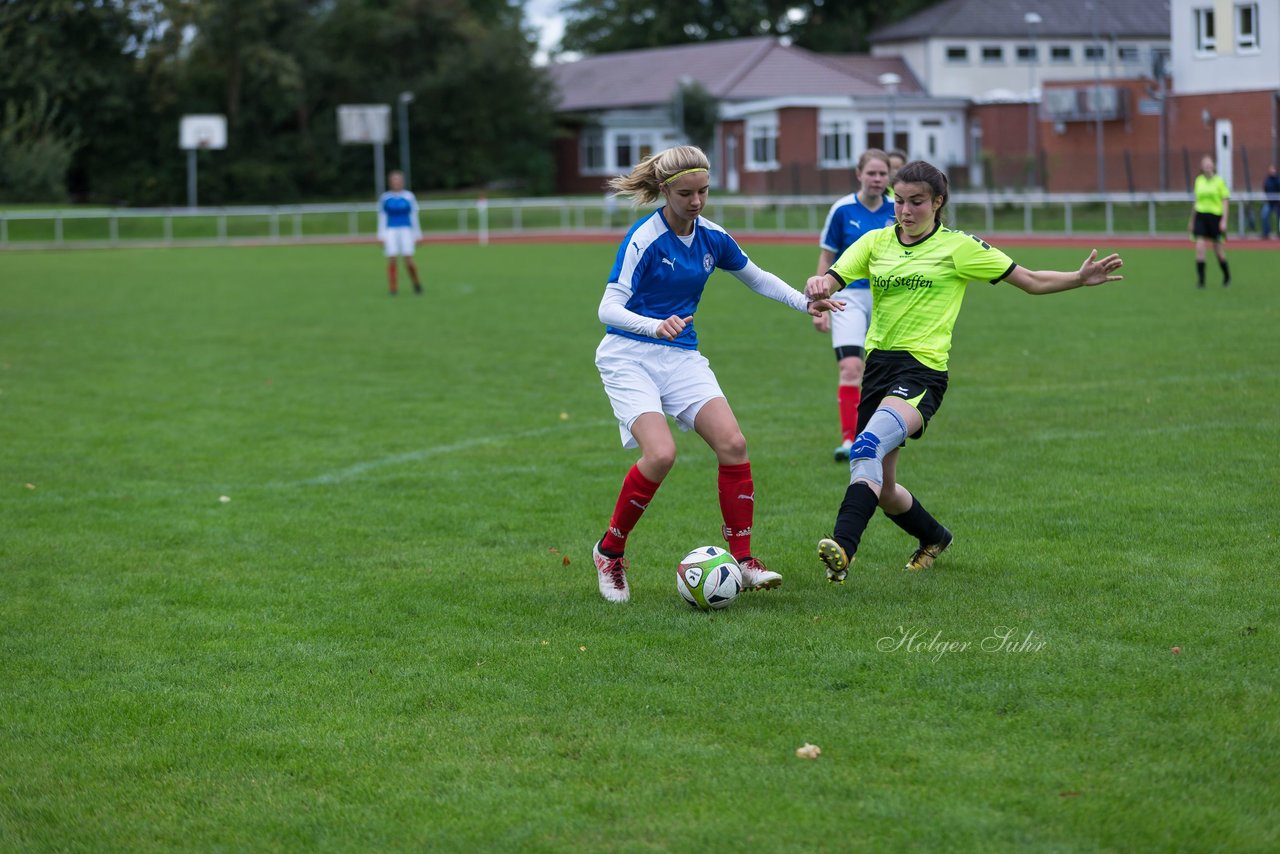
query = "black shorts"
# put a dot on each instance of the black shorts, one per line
(1207, 225)
(896, 373)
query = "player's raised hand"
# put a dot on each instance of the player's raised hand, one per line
(818, 287)
(1094, 272)
(673, 326)
(818, 308)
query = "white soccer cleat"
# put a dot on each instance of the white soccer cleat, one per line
(756, 576)
(613, 576)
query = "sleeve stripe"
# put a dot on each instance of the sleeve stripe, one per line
(998, 279)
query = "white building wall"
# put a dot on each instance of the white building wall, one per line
(1012, 79)
(1228, 67)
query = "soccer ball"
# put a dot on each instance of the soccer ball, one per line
(709, 578)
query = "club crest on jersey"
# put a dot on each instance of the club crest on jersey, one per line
(708, 263)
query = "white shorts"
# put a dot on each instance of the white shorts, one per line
(849, 327)
(398, 241)
(640, 377)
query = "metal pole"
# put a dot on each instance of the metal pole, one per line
(405, 99)
(191, 177)
(1032, 19)
(1097, 101)
(379, 170)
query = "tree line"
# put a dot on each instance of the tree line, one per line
(92, 91)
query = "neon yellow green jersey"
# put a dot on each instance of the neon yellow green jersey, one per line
(916, 290)
(1210, 193)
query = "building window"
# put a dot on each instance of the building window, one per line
(837, 144)
(623, 152)
(762, 145)
(1028, 54)
(957, 53)
(1095, 53)
(1128, 54)
(992, 54)
(1247, 27)
(1060, 53)
(630, 148)
(591, 157)
(875, 135)
(1206, 41)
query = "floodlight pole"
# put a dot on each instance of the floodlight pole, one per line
(379, 169)
(406, 98)
(1032, 19)
(890, 81)
(1097, 100)
(191, 177)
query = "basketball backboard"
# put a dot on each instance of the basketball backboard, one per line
(364, 123)
(202, 131)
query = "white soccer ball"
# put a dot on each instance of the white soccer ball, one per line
(709, 578)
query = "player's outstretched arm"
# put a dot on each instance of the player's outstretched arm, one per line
(1092, 272)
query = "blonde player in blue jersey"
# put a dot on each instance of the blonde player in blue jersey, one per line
(918, 271)
(849, 218)
(649, 360)
(399, 230)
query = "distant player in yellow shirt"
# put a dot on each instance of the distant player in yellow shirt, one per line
(918, 271)
(1209, 219)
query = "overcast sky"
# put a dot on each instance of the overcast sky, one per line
(544, 16)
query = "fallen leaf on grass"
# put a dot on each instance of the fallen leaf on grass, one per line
(29, 485)
(808, 751)
(566, 560)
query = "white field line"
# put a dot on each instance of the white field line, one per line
(354, 471)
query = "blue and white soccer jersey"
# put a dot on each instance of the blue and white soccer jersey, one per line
(398, 227)
(848, 220)
(663, 275)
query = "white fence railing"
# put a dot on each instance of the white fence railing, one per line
(1150, 214)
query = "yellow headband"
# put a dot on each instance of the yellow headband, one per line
(685, 172)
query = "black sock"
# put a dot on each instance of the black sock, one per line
(1200, 272)
(919, 523)
(856, 510)
(1226, 272)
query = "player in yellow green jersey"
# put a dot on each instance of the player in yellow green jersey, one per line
(918, 270)
(1209, 219)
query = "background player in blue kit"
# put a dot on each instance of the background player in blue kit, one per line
(849, 218)
(649, 360)
(398, 229)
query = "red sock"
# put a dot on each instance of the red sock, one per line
(848, 397)
(637, 492)
(413, 270)
(738, 507)
(391, 274)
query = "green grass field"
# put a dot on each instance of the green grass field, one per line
(389, 638)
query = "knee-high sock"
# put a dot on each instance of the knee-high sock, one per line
(919, 523)
(637, 492)
(737, 506)
(391, 274)
(856, 510)
(848, 397)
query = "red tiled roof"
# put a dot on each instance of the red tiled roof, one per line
(731, 70)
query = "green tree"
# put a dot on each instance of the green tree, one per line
(834, 26)
(34, 154)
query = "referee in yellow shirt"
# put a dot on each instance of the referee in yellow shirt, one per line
(1209, 219)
